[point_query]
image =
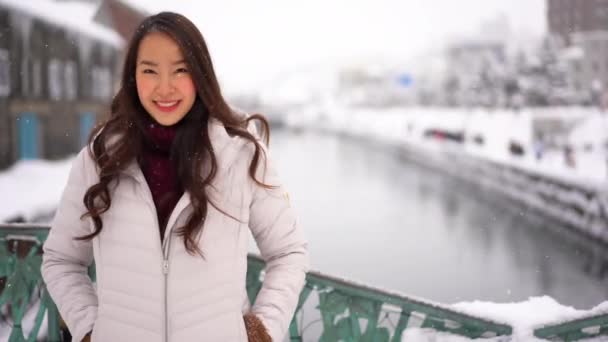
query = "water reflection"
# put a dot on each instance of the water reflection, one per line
(373, 217)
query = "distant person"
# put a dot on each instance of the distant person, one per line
(516, 148)
(569, 156)
(539, 148)
(162, 200)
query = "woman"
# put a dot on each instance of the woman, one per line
(161, 200)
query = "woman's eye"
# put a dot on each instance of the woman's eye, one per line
(148, 71)
(182, 70)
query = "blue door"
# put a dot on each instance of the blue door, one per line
(87, 122)
(27, 126)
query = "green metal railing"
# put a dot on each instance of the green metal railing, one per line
(342, 310)
(343, 305)
(582, 328)
(21, 286)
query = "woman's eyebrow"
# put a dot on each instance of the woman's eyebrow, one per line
(181, 61)
(148, 63)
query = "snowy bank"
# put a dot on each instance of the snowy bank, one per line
(552, 160)
(31, 189)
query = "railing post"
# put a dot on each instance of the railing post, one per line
(54, 333)
(404, 318)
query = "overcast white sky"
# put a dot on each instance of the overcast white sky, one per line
(252, 41)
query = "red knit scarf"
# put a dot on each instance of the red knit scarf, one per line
(159, 171)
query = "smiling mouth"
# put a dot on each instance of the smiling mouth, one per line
(167, 106)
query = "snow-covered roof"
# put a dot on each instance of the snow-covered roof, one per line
(138, 6)
(573, 53)
(76, 16)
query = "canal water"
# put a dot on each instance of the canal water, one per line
(371, 216)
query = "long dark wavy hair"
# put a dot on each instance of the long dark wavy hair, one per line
(120, 139)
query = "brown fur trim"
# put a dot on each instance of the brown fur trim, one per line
(256, 331)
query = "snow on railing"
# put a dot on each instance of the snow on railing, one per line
(583, 328)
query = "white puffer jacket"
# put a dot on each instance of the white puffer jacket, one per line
(159, 293)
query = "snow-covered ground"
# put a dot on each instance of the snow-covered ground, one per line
(31, 189)
(498, 129)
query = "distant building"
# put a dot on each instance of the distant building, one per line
(122, 16)
(582, 27)
(374, 87)
(565, 17)
(58, 73)
(590, 67)
(476, 66)
(474, 73)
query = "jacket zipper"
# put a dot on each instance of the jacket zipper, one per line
(166, 249)
(165, 245)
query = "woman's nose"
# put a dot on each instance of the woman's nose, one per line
(165, 86)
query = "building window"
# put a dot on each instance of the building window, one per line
(102, 83)
(55, 82)
(5, 76)
(25, 76)
(71, 80)
(37, 78)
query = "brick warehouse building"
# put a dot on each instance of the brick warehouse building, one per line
(565, 17)
(59, 63)
(582, 27)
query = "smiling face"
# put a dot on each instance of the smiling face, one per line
(164, 85)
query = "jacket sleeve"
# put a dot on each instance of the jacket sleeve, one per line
(65, 260)
(282, 246)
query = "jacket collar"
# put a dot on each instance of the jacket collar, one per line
(220, 140)
(217, 135)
